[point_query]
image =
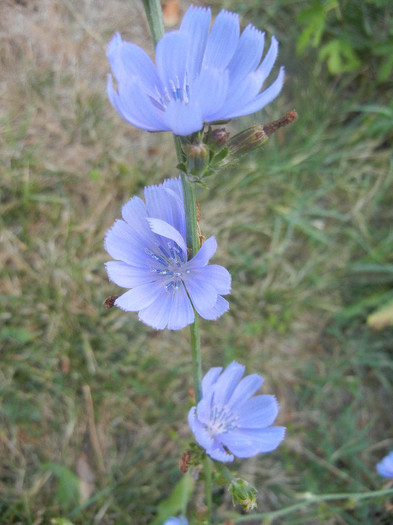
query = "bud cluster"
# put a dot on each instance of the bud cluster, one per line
(206, 153)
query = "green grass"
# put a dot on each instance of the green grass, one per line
(304, 226)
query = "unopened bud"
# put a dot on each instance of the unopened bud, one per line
(243, 493)
(198, 156)
(247, 140)
(217, 137)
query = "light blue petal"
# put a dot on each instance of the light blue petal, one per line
(263, 98)
(217, 310)
(183, 119)
(227, 383)
(135, 214)
(222, 41)
(130, 61)
(134, 105)
(247, 56)
(210, 92)
(174, 189)
(181, 311)
(216, 275)
(248, 443)
(385, 467)
(218, 453)
(204, 409)
(196, 23)
(245, 389)
(176, 521)
(119, 243)
(209, 379)
(202, 294)
(244, 94)
(139, 297)
(269, 60)
(172, 53)
(133, 210)
(162, 203)
(157, 313)
(137, 105)
(175, 185)
(137, 243)
(128, 276)
(258, 412)
(204, 254)
(169, 232)
(203, 438)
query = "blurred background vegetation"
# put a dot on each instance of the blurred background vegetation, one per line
(93, 403)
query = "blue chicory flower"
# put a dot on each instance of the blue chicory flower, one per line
(200, 75)
(385, 467)
(180, 520)
(228, 421)
(150, 249)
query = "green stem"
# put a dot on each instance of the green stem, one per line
(191, 215)
(207, 470)
(224, 471)
(154, 17)
(311, 500)
(193, 247)
(196, 358)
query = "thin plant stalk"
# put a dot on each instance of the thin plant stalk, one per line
(311, 499)
(154, 16)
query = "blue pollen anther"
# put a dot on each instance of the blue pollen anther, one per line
(169, 285)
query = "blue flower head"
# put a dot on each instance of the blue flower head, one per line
(180, 520)
(228, 421)
(150, 249)
(385, 467)
(200, 75)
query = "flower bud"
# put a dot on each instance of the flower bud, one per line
(247, 140)
(198, 156)
(243, 493)
(216, 137)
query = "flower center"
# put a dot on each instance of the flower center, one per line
(169, 262)
(222, 420)
(178, 91)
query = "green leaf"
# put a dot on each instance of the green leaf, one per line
(315, 19)
(177, 501)
(67, 493)
(340, 56)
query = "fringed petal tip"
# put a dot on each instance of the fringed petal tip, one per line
(115, 42)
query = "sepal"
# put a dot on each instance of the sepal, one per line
(243, 493)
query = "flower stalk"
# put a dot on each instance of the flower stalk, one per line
(154, 16)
